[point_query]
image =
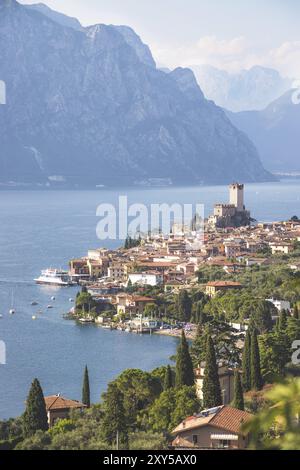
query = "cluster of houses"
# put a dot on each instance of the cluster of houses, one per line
(156, 263)
(172, 261)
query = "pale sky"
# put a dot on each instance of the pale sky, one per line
(229, 34)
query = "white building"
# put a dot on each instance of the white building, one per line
(97, 254)
(280, 304)
(143, 324)
(281, 248)
(146, 278)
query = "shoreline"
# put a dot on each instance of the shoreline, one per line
(174, 333)
(190, 335)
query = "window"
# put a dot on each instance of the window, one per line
(225, 444)
(195, 439)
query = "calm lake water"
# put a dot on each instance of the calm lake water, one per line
(39, 229)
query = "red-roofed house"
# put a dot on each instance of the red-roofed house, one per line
(59, 407)
(213, 288)
(217, 428)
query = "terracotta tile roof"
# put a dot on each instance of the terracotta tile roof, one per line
(192, 422)
(57, 402)
(165, 264)
(224, 284)
(230, 419)
(174, 283)
(223, 417)
(140, 298)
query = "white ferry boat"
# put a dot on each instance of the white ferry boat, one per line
(54, 277)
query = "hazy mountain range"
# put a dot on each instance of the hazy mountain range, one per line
(88, 106)
(275, 132)
(247, 90)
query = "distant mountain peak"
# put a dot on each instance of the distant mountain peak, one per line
(187, 83)
(246, 90)
(142, 50)
(132, 39)
(275, 132)
(56, 16)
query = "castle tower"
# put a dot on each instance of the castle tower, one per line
(237, 196)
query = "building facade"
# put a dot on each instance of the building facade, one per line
(216, 428)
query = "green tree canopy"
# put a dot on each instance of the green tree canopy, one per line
(256, 378)
(168, 379)
(35, 415)
(160, 412)
(86, 396)
(275, 427)
(186, 404)
(238, 401)
(246, 362)
(139, 390)
(114, 423)
(184, 371)
(184, 306)
(211, 384)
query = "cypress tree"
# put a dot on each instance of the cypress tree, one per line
(283, 321)
(204, 317)
(211, 384)
(198, 349)
(86, 396)
(296, 312)
(199, 331)
(184, 306)
(184, 374)
(126, 244)
(168, 380)
(238, 401)
(256, 378)
(277, 325)
(35, 415)
(246, 363)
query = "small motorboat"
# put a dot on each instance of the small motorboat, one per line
(52, 298)
(33, 317)
(49, 306)
(71, 300)
(12, 311)
(1, 316)
(34, 303)
(86, 320)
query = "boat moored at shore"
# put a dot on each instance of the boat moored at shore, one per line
(54, 277)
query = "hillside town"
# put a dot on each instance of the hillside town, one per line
(233, 244)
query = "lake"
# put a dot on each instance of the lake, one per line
(40, 229)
